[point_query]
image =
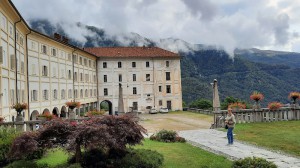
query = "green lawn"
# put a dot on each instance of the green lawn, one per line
(176, 155)
(183, 155)
(282, 135)
(54, 157)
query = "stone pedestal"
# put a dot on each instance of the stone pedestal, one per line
(256, 105)
(19, 117)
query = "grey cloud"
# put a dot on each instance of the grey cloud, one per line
(276, 25)
(207, 9)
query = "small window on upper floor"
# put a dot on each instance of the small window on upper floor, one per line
(32, 45)
(69, 57)
(147, 77)
(53, 52)
(21, 40)
(167, 63)
(44, 71)
(80, 60)
(133, 77)
(105, 78)
(104, 64)
(168, 88)
(90, 63)
(75, 76)
(133, 64)
(44, 49)
(85, 62)
(120, 78)
(168, 76)
(119, 64)
(134, 90)
(147, 64)
(105, 91)
(34, 95)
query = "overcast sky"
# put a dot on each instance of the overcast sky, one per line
(264, 24)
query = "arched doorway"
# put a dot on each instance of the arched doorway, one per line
(34, 115)
(46, 111)
(55, 111)
(63, 112)
(107, 106)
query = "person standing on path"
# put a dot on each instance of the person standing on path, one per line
(230, 122)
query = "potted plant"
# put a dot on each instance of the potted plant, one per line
(19, 107)
(236, 106)
(274, 105)
(294, 96)
(256, 96)
(73, 104)
(95, 113)
(1, 119)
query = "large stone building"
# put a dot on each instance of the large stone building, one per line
(150, 77)
(46, 72)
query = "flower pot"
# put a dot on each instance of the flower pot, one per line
(256, 105)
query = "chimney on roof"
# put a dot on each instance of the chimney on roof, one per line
(65, 40)
(57, 36)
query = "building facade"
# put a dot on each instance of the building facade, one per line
(150, 77)
(46, 72)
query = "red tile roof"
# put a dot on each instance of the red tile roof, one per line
(137, 52)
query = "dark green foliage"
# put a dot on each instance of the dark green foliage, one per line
(141, 158)
(36, 154)
(7, 136)
(26, 164)
(167, 136)
(253, 163)
(201, 104)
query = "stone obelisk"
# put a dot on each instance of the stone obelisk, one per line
(120, 102)
(216, 99)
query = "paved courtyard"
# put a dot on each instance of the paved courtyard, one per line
(195, 128)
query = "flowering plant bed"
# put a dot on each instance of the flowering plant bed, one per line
(237, 105)
(19, 107)
(73, 104)
(257, 96)
(95, 113)
(274, 105)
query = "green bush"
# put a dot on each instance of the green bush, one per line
(254, 162)
(141, 158)
(167, 136)
(7, 136)
(26, 164)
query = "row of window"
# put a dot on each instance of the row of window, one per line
(134, 77)
(134, 90)
(133, 64)
(45, 73)
(85, 94)
(13, 62)
(82, 61)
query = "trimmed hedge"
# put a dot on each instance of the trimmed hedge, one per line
(141, 158)
(167, 136)
(133, 158)
(254, 162)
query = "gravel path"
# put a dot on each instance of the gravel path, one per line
(215, 141)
